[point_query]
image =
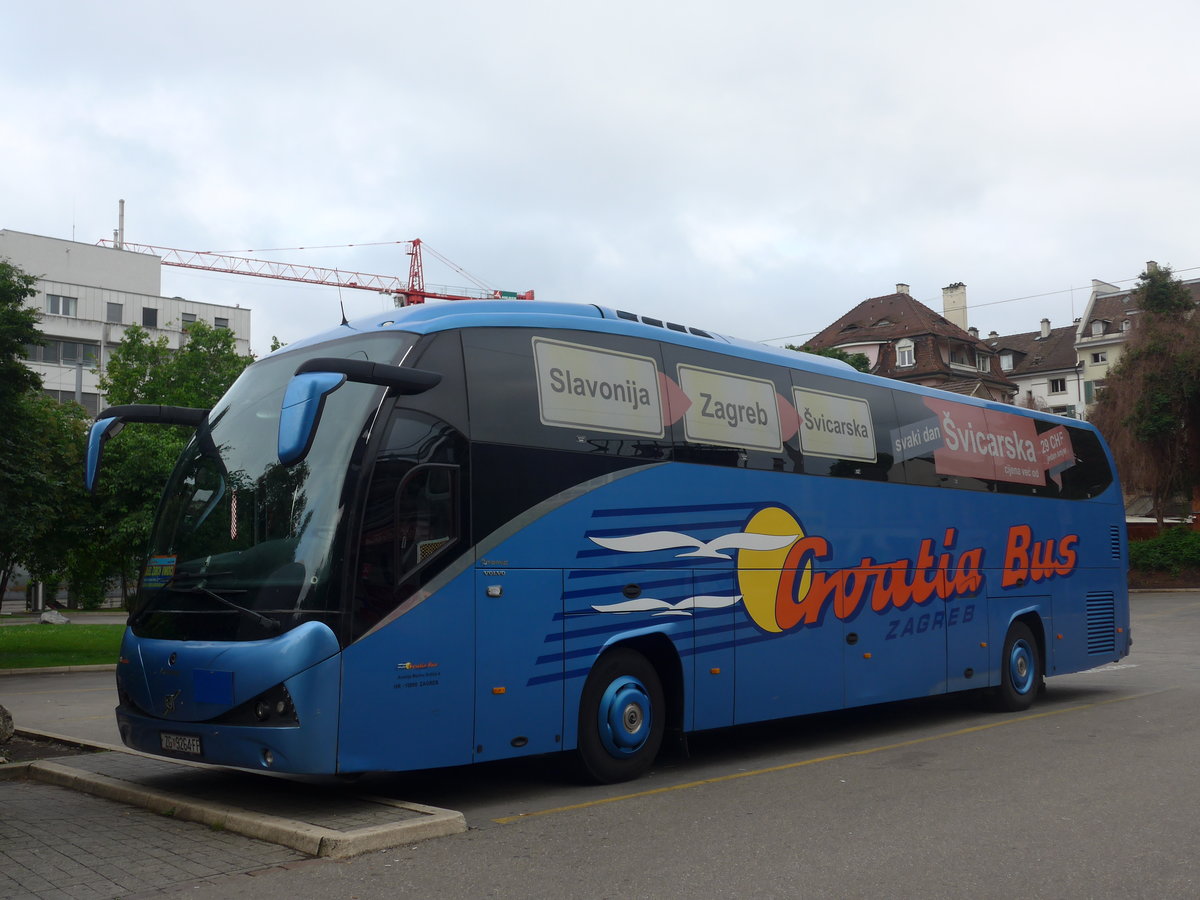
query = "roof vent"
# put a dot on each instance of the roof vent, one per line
(659, 323)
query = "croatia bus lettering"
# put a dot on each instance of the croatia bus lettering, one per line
(551, 528)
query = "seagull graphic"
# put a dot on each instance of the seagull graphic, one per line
(669, 540)
(666, 608)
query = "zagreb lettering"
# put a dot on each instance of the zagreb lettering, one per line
(733, 414)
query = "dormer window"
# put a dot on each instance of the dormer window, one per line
(1126, 325)
(1006, 362)
(1097, 328)
(905, 355)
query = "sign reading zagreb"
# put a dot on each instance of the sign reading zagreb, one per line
(730, 410)
(604, 390)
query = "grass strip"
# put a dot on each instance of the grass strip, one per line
(38, 646)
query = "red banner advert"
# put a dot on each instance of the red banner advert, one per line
(978, 443)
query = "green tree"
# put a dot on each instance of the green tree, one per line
(60, 526)
(1150, 407)
(18, 328)
(41, 448)
(858, 360)
(138, 462)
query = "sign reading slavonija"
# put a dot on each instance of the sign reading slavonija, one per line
(605, 390)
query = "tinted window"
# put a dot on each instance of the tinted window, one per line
(846, 428)
(1088, 475)
(728, 411)
(916, 440)
(412, 515)
(588, 393)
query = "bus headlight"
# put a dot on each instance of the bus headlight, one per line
(273, 707)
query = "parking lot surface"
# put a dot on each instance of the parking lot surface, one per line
(1091, 793)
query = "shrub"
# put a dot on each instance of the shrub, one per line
(1171, 551)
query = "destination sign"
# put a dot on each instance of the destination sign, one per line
(602, 390)
(835, 426)
(730, 410)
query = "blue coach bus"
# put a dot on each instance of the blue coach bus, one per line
(470, 531)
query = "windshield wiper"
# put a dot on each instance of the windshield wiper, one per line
(266, 621)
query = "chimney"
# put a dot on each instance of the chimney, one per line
(973, 332)
(954, 304)
(1151, 267)
(992, 335)
(1045, 328)
(901, 288)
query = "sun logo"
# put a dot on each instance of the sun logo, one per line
(768, 578)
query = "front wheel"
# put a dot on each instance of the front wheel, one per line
(621, 717)
(1021, 670)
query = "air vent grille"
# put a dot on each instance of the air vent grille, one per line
(1101, 622)
(659, 323)
(1115, 541)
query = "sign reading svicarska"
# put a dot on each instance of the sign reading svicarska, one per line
(834, 425)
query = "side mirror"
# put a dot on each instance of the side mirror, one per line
(303, 403)
(112, 420)
(316, 379)
(98, 435)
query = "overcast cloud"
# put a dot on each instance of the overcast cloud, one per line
(755, 168)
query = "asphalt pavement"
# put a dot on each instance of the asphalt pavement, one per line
(1091, 793)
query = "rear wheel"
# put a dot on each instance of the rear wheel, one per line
(1021, 670)
(621, 717)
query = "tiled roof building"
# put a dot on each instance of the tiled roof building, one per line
(1044, 366)
(906, 340)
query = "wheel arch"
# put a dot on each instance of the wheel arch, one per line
(1033, 620)
(660, 651)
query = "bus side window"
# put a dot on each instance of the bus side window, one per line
(917, 437)
(424, 516)
(412, 514)
(1089, 474)
(732, 416)
(864, 413)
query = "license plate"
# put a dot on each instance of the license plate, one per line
(180, 743)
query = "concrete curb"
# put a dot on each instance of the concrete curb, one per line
(302, 836)
(315, 840)
(60, 670)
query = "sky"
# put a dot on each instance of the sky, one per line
(754, 168)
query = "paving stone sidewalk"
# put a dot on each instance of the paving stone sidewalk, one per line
(59, 843)
(60, 837)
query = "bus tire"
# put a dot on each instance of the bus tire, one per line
(621, 717)
(1021, 672)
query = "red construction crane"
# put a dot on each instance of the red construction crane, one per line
(403, 292)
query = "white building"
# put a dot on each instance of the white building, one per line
(1044, 367)
(88, 295)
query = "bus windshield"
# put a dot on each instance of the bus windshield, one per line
(244, 548)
